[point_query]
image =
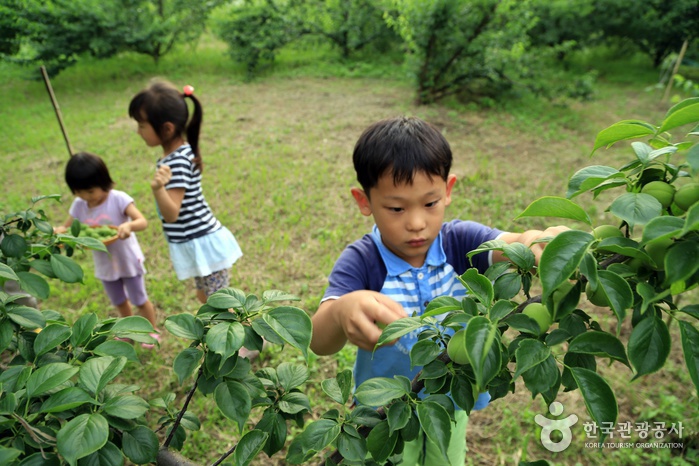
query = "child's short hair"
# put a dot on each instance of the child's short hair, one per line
(86, 171)
(402, 146)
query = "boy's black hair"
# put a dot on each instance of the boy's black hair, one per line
(86, 171)
(402, 146)
(161, 103)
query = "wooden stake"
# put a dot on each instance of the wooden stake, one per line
(56, 109)
(676, 68)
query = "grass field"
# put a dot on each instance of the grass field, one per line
(277, 155)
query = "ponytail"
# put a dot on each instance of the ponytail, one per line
(194, 126)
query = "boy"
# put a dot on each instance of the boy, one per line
(410, 258)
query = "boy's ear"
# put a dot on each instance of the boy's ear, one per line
(451, 180)
(362, 201)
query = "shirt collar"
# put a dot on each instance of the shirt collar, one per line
(396, 266)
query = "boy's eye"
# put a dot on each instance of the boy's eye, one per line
(395, 209)
(431, 204)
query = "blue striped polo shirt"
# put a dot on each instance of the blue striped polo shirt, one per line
(369, 265)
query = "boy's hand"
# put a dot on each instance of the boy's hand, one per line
(358, 313)
(528, 237)
(163, 175)
(60, 229)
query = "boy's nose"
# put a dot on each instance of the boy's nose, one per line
(415, 223)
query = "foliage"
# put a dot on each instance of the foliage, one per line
(655, 27)
(256, 30)
(9, 29)
(475, 50)
(501, 343)
(57, 396)
(58, 32)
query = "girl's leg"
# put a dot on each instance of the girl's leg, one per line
(210, 284)
(136, 290)
(117, 296)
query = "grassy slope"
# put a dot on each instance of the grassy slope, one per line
(278, 173)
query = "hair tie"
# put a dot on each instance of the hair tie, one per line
(188, 90)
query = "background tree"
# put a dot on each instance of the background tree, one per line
(57, 33)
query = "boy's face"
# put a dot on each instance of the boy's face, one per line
(409, 216)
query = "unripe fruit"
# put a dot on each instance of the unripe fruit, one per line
(456, 348)
(687, 196)
(597, 297)
(540, 314)
(657, 249)
(660, 190)
(607, 231)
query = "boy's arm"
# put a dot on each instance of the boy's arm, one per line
(527, 238)
(352, 317)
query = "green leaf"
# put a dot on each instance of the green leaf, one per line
(636, 208)
(436, 424)
(479, 287)
(618, 291)
(117, 348)
(26, 316)
(186, 362)
(691, 222)
(690, 348)
(441, 305)
(294, 402)
(424, 352)
(274, 424)
(622, 130)
(82, 329)
(559, 207)
(662, 227)
(501, 309)
(681, 261)
(692, 310)
(33, 284)
(530, 353)
(293, 325)
(599, 343)
(48, 378)
(649, 345)
(7, 272)
(541, 378)
(228, 298)
(480, 339)
(131, 326)
(43, 266)
(185, 326)
(351, 447)
(462, 391)
(13, 245)
(379, 391)
(398, 328)
(316, 436)
(233, 399)
(225, 338)
(66, 269)
(506, 286)
(50, 337)
(272, 296)
(685, 112)
(126, 406)
(108, 455)
(96, 373)
(6, 332)
(81, 436)
(398, 416)
(249, 446)
(8, 455)
(561, 258)
(598, 396)
(522, 323)
(520, 255)
(140, 445)
(380, 443)
(338, 388)
(291, 375)
(68, 398)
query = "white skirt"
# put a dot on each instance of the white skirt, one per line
(205, 255)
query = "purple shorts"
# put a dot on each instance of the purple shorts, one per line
(133, 288)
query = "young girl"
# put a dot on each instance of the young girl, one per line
(121, 270)
(200, 247)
